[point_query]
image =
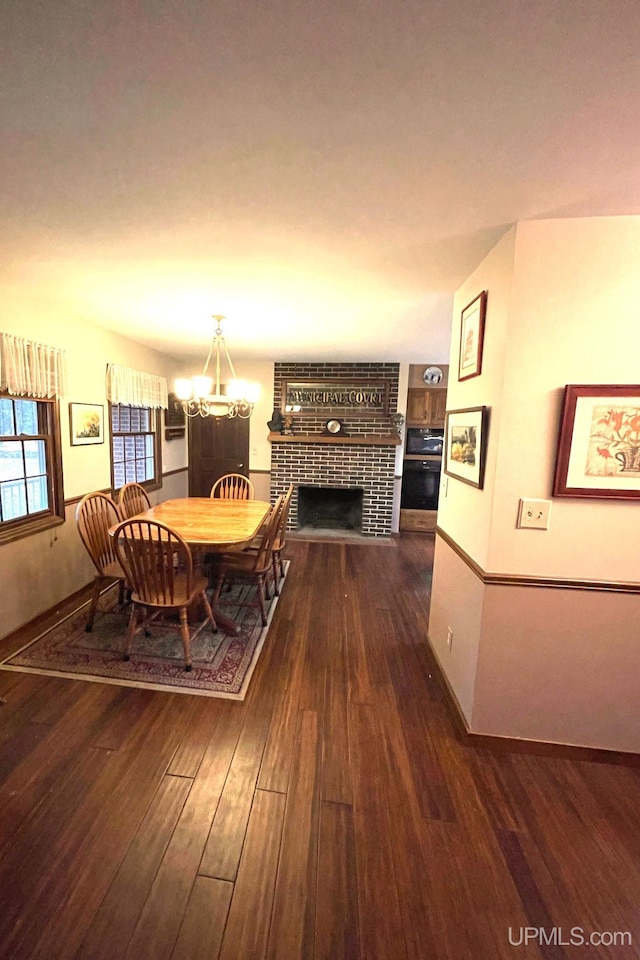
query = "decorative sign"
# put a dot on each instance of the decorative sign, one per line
(174, 415)
(359, 397)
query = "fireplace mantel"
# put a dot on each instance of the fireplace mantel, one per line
(369, 439)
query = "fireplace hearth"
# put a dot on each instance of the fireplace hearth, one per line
(330, 508)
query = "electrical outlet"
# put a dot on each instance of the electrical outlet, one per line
(449, 637)
(534, 514)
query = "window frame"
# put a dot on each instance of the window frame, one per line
(54, 516)
(155, 417)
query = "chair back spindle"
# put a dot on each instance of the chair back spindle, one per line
(133, 499)
(263, 554)
(280, 541)
(233, 486)
(95, 514)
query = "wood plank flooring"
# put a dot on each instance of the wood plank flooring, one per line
(336, 814)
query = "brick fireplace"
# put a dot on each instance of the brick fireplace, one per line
(362, 460)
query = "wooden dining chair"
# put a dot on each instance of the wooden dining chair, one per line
(95, 515)
(133, 499)
(280, 541)
(159, 567)
(233, 486)
(253, 564)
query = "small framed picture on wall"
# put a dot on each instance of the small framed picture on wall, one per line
(472, 337)
(465, 437)
(86, 423)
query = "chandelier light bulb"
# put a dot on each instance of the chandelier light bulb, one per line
(183, 389)
(202, 387)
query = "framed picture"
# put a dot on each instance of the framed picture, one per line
(472, 337)
(599, 442)
(174, 415)
(87, 423)
(465, 440)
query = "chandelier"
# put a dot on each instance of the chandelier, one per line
(197, 397)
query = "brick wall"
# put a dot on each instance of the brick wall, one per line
(367, 466)
(356, 422)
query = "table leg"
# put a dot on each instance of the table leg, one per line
(228, 626)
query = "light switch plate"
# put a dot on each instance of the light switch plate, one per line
(534, 514)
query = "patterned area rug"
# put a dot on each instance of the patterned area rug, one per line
(222, 665)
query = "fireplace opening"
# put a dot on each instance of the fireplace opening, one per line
(330, 508)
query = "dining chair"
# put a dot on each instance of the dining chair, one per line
(159, 566)
(95, 515)
(253, 564)
(133, 499)
(280, 542)
(233, 486)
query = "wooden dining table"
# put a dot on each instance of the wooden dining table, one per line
(211, 526)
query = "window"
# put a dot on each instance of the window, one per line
(135, 446)
(31, 496)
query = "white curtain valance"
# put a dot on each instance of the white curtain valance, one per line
(29, 369)
(135, 388)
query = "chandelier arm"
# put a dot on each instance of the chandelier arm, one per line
(206, 364)
(191, 408)
(233, 372)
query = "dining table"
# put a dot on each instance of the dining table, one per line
(210, 525)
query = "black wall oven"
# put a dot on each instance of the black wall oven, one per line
(424, 441)
(420, 484)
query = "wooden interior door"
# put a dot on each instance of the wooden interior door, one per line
(216, 447)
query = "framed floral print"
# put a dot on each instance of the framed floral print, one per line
(599, 442)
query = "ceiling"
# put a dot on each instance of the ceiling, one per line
(324, 173)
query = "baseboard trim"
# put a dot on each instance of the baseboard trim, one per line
(526, 580)
(542, 748)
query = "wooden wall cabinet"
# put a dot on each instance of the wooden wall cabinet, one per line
(426, 407)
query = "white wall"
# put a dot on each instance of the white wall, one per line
(260, 372)
(528, 662)
(464, 511)
(574, 318)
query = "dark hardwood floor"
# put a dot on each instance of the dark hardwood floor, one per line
(336, 813)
